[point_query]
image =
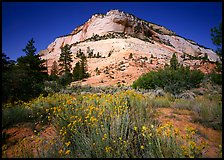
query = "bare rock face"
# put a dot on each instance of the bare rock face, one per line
(121, 34)
(113, 21)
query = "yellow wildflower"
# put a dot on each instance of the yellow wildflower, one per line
(67, 143)
(143, 128)
(142, 147)
(152, 126)
(107, 149)
(67, 152)
(69, 125)
(61, 151)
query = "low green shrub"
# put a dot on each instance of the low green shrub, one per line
(171, 80)
(216, 78)
(15, 113)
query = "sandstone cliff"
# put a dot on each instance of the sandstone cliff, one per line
(120, 34)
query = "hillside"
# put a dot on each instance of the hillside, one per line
(121, 34)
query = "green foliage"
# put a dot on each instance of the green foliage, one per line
(79, 54)
(65, 59)
(7, 64)
(207, 107)
(52, 86)
(65, 79)
(15, 113)
(24, 80)
(90, 52)
(117, 125)
(216, 78)
(173, 78)
(216, 34)
(30, 49)
(174, 62)
(218, 67)
(77, 72)
(80, 69)
(31, 62)
(173, 81)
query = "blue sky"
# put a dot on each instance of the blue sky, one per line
(44, 21)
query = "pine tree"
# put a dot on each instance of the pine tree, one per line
(174, 62)
(77, 72)
(65, 59)
(6, 62)
(31, 62)
(80, 69)
(25, 79)
(83, 64)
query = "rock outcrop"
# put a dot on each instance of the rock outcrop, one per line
(120, 34)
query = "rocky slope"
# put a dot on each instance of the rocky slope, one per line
(119, 34)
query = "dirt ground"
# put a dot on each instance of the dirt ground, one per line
(182, 119)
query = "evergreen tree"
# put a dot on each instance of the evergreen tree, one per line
(7, 67)
(6, 62)
(25, 79)
(216, 34)
(89, 52)
(80, 69)
(83, 64)
(32, 63)
(174, 62)
(77, 72)
(65, 59)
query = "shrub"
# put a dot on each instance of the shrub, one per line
(108, 126)
(15, 113)
(65, 79)
(216, 78)
(52, 86)
(171, 80)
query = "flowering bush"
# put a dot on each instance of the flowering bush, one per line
(110, 125)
